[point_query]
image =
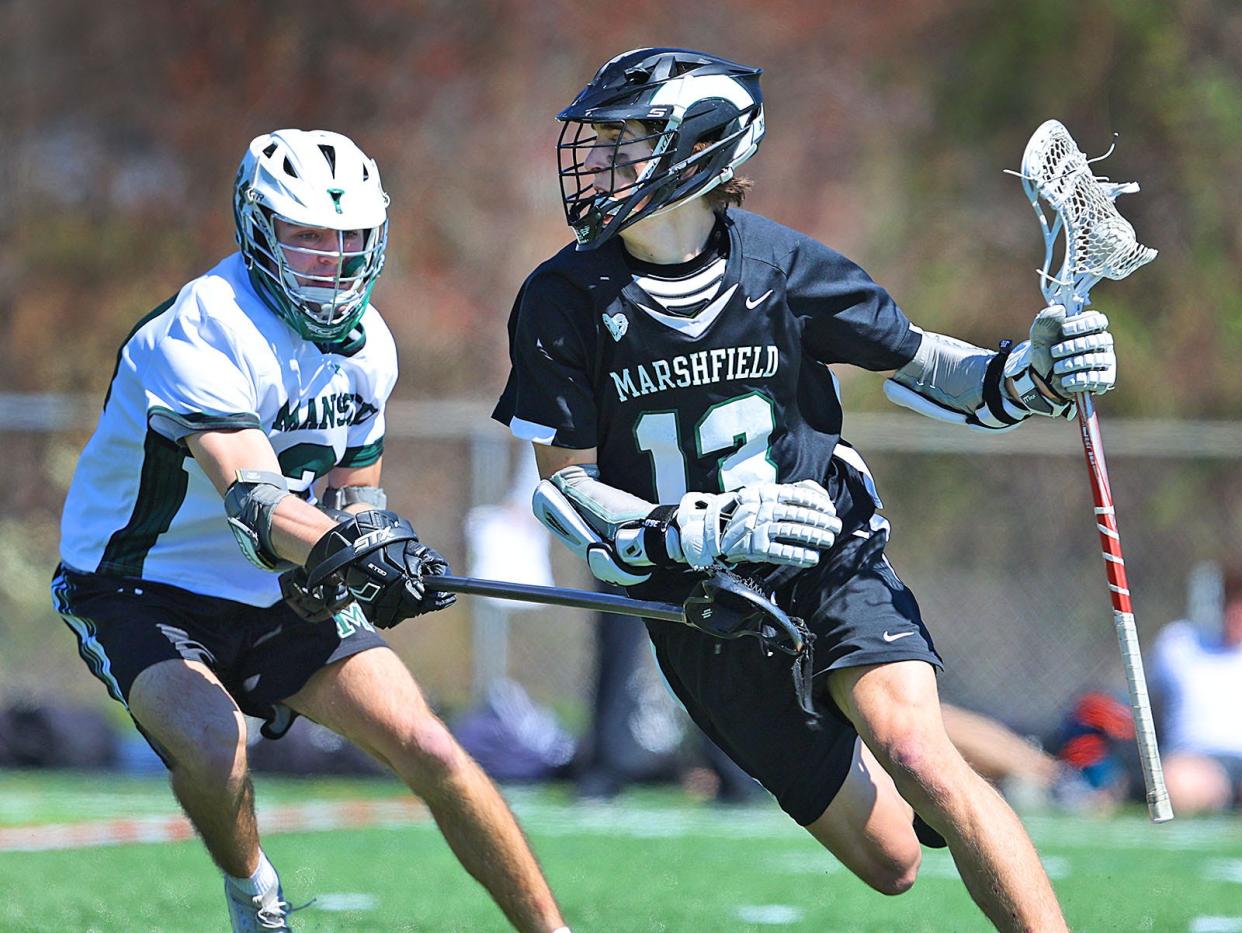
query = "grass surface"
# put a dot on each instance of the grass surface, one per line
(653, 861)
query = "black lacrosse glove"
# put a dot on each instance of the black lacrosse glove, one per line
(379, 558)
(314, 604)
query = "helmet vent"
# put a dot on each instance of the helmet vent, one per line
(329, 153)
(267, 153)
(366, 174)
(289, 169)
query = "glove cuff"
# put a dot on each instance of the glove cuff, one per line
(661, 544)
(1030, 396)
(353, 538)
(698, 527)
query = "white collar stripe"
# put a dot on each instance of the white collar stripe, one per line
(689, 301)
(713, 272)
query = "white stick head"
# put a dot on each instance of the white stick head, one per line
(1099, 242)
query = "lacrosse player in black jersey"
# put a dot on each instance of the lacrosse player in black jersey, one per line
(671, 368)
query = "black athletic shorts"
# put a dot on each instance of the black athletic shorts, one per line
(861, 614)
(261, 655)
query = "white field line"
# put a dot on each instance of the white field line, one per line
(1224, 870)
(346, 901)
(615, 819)
(769, 914)
(297, 818)
(1216, 925)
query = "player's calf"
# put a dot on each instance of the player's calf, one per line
(867, 827)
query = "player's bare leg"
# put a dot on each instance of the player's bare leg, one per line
(868, 827)
(1196, 783)
(372, 699)
(995, 751)
(895, 708)
(185, 708)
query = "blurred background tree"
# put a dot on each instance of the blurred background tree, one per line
(888, 126)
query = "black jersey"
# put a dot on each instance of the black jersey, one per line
(738, 393)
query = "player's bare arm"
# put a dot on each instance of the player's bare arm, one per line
(375, 553)
(295, 524)
(356, 489)
(551, 459)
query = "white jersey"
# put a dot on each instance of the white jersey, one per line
(216, 356)
(1200, 681)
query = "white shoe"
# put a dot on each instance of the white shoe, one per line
(258, 913)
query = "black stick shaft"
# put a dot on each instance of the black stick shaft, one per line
(558, 596)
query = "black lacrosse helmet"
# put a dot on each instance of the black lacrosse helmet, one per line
(682, 98)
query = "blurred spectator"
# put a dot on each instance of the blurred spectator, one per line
(512, 737)
(1197, 677)
(57, 735)
(1096, 743)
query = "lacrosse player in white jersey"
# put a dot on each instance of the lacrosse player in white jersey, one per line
(200, 577)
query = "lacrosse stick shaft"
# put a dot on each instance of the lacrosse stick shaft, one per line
(558, 596)
(1123, 613)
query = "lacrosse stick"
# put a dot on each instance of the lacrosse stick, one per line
(723, 605)
(1099, 243)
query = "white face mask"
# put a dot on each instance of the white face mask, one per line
(329, 295)
(320, 181)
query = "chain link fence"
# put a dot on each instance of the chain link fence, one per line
(994, 534)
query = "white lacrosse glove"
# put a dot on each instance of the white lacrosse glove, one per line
(1065, 356)
(768, 523)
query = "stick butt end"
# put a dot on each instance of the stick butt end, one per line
(1160, 808)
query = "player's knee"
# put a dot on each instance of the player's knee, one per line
(427, 753)
(216, 757)
(912, 756)
(895, 875)
(905, 752)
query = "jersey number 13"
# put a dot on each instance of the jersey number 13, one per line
(738, 430)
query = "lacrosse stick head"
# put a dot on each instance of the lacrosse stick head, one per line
(1099, 242)
(726, 606)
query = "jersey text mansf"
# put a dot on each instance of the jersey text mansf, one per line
(216, 357)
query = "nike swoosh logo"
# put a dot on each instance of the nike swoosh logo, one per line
(696, 326)
(752, 303)
(888, 637)
(268, 637)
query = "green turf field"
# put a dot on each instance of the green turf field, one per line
(652, 862)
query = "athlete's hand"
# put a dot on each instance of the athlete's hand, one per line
(771, 523)
(383, 564)
(1064, 356)
(314, 604)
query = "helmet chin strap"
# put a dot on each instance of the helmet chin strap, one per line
(720, 179)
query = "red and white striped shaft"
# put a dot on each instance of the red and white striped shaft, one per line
(1105, 513)
(1158, 805)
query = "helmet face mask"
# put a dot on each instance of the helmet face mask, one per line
(699, 115)
(618, 178)
(315, 182)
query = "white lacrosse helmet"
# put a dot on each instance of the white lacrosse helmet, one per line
(311, 178)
